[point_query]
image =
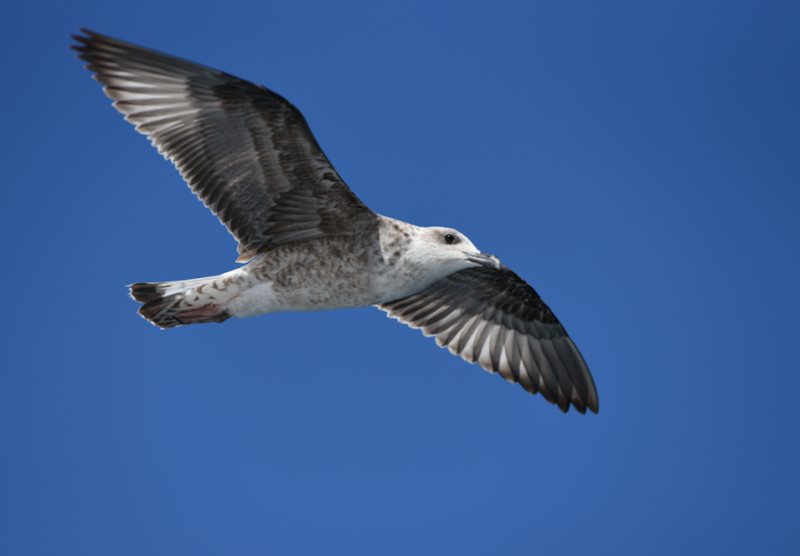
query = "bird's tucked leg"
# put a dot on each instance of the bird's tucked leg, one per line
(208, 313)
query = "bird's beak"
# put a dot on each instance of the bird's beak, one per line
(485, 259)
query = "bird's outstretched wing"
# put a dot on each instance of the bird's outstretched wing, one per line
(244, 150)
(496, 319)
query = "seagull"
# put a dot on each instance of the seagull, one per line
(309, 243)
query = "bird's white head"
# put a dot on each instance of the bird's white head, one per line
(452, 250)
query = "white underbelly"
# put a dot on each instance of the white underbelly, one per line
(263, 297)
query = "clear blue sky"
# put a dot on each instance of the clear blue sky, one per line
(638, 164)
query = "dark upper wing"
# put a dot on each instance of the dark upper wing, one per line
(244, 150)
(495, 318)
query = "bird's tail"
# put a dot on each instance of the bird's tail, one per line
(170, 304)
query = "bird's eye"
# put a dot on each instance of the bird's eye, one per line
(449, 238)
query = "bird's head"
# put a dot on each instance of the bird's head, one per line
(453, 250)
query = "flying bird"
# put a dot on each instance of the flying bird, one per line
(309, 243)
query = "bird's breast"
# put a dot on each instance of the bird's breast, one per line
(328, 273)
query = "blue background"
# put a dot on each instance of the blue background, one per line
(637, 162)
